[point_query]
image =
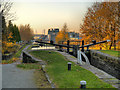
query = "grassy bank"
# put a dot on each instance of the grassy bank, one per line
(15, 57)
(18, 53)
(111, 52)
(39, 76)
(29, 48)
(57, 70)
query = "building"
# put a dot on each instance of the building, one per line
(73, 35)
(41, 37)
(52, 33)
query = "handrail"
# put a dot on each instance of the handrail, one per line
(72, 46)
(80, 58)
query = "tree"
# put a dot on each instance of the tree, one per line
(5, 10)
(5, 15)
(63, 34)
(15, 32)
(8, 45)
(101, 22)
(26, 32)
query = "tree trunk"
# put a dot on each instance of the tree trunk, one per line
(114, 44)
(110, 46)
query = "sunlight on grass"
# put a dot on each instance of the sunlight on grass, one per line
(57, 70)
(111, 52)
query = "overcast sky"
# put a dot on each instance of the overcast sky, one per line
(53, 14)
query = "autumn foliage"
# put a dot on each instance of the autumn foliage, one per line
(8, 46)
(101, 22)
(62, 35)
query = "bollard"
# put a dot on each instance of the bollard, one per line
(69, 66)
(83, 84)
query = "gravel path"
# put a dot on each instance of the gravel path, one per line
(13, 77)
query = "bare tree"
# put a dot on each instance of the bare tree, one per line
(65, 32)
(5, 7)
(26, 32)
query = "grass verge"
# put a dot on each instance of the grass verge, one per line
(39, 76)
(18, 53)
(111, 52)
(62, 78)
(29, 48)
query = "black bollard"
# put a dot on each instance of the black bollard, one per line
(82, 84)
(69, 66)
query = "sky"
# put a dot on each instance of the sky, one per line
(42, 15)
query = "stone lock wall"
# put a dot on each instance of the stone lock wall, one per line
(105, 62)
(27, 58)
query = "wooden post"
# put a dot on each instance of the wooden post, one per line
(51, 42)
(62, 42)
(75, 50)
(87, 48)
(68, 46)
(82, 46)
(60, 48)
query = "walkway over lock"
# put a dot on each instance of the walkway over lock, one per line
(75, 48)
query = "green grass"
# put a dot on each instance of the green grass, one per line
(29, 66)
(111, 52)
(57, 70)
(17, 55)
(49, 45)
(29, 48)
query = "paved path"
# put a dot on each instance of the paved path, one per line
(13, 77)
(99, 73)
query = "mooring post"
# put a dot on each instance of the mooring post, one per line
(83, 84)
(68, 42)
(82, 46)
(69, 66)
